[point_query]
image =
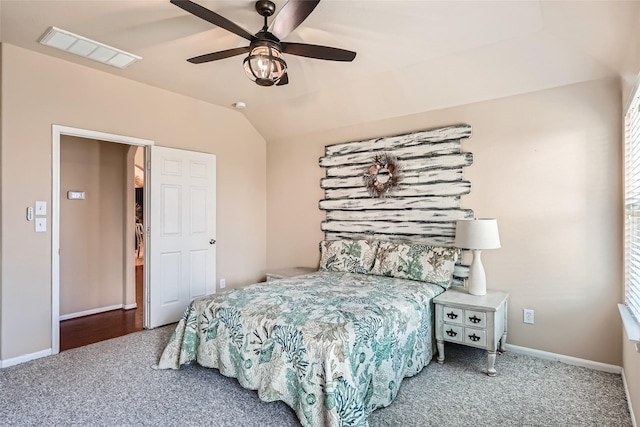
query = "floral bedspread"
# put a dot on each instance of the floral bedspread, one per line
(333, 346)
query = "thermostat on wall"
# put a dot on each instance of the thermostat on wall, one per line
(75, 195)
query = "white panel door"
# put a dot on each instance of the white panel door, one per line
(182, 232)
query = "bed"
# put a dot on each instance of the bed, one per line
(334, 345)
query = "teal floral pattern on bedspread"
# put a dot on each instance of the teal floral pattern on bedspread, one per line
(334, 346)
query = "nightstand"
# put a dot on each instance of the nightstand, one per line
(476, 321)
(288, 272)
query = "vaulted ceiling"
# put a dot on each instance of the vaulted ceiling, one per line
(412, 56)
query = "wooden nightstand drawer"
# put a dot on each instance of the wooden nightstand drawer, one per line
(453, 333)
(475, 337)
(453, 315)
(477, 319)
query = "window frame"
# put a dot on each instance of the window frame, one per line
(630, 310)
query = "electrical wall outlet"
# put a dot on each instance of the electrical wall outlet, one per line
(223, 283)
(528, 316)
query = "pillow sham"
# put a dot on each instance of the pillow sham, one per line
(350, 256)
(416, 262)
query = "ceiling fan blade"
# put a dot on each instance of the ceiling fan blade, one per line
(211, 16)
(219, 55)
(318, 52)
(284, 80)
(291, 15)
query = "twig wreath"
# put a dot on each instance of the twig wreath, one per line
(383, 175)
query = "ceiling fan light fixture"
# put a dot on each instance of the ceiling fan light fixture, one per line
(265, 64)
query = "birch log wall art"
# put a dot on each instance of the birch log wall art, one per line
(404, 187)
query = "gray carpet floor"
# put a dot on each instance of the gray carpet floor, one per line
(112, 383)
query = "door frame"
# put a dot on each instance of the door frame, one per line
(56, 132)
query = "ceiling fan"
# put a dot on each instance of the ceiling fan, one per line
(265, 64)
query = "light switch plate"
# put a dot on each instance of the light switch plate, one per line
(41, 207)
(41, 225)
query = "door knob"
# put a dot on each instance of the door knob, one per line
(212, 241)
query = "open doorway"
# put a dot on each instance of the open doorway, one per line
(101, 202)
(104, 257)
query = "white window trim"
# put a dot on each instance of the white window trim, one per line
(631, 325)
(630, 322)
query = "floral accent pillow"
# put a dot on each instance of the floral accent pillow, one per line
(416, 262)
(351, 256)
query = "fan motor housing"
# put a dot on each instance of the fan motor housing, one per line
(265, 7)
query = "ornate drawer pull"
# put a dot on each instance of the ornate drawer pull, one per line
(474, 337)
(452, 315)
(452, 333)
(475, 319)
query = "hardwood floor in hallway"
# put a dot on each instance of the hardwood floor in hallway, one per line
(86, 330)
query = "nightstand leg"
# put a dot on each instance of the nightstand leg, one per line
(491, 362)
(503, 341)
(440, 344)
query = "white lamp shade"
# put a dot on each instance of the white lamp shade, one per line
(479, 233)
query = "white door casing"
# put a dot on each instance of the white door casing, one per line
(56, 132)
(182, 220)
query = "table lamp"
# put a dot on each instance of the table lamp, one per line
(477, 234)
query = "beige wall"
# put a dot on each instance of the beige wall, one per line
(38, 91)
(545, 165)
(91, 230)
(631, 365)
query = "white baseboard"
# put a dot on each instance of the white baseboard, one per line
(130, 306)
(569, 360)
(90, 312)
(25, 358)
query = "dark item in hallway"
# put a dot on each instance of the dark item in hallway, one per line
(87, 330)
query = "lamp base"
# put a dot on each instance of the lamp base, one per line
(477, 284)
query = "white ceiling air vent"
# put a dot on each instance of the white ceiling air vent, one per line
(73, 43)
